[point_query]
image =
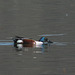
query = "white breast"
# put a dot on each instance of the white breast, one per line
(39, 42)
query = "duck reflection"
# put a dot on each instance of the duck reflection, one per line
(21, 47)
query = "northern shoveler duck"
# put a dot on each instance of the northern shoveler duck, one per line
(20, 42)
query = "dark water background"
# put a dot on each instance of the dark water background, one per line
(30, 18)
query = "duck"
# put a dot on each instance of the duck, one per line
(20, 42)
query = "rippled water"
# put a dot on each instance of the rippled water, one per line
(29, 18)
